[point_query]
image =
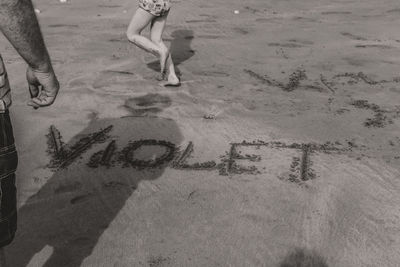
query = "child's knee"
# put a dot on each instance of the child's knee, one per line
(131, 36)
(161, 45)
(157, 41)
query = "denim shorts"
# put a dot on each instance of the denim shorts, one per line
(8, 165)
(157, 8)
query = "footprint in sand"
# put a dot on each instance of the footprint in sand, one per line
(241, 30)
(264, 19)
(286, 45)
(115, 82)
(211, 73)
(353, 36)
(63, 25)
(395, 89)
(380, 46)
(336, 13)
(120, 82)
(147, 103)
(201, 20)
(303, 42)
(109, 6)
(304, 19)
(210, 37)
(395, 10)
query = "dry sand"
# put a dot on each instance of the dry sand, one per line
(311, 87)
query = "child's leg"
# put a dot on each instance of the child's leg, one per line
(139, 21)
(157, 29)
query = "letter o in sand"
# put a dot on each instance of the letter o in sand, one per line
(128, 153)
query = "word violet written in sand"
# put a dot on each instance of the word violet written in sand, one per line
(168, 154)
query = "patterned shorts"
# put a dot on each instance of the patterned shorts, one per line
(8, 165)
(155, 7)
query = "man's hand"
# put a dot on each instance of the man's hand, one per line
(19, 24)
(43, 87)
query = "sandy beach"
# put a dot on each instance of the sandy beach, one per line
(282, 145)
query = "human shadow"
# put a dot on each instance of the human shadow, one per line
(303, 258)
(79, 202)
(180, 49)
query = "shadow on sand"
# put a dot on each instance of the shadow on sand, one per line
(78, 203)
(303, 258)
(180, 49)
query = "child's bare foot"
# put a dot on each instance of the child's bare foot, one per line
(160, 77)
(173, 80)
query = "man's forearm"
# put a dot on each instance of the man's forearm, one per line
(19, 24)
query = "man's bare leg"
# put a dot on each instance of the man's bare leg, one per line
(19, 24)
(2, 258)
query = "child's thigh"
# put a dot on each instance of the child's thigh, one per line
(157, 27)
(139, 21)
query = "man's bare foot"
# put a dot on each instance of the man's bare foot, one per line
(163, 59)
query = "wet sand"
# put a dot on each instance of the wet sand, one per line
(281, 146)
